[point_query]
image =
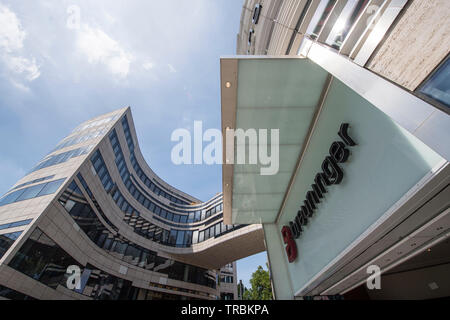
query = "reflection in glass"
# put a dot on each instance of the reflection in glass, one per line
(347, 18)
(319, 18)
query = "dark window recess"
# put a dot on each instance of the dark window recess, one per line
(6, 241)
(43, 260)
(11, 294)
(250, 33)
(256, 13)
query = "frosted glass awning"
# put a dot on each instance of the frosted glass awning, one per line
(264, 93)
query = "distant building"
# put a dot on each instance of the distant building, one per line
(93, 204)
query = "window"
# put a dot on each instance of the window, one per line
(347, 18)
(319, 18)
(180, 238)
(33, 181)
(217, 229)
(51, 187)
(437, 87)
(250, 33)
(42, 259)
(60, 158)
(173, 236)
(32, 192)
(13, 294)
(15, 224)
(6, 241)
(195, 236)
(256, 13)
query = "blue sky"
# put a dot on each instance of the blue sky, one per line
(159, 57)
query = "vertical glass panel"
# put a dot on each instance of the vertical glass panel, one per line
(319, 18)
(195, 236)
(347, 18)
(180, 238)
(173, 236)
(217, 229)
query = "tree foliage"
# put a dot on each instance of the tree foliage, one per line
(261, 288)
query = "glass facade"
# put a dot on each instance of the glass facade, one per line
(43, 260)
(61, 158)
(6, 241)
(35, 191)
(147, 229)
(175, 224)
(33, 181)
(83, 214)
(158, 190)
(80, 138)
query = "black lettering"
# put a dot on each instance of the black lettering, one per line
(338, 152)
(313, 198)
(343, 133)
(332, 174)
(309, 209)
(301, 215)
(332, 171)
(322, 181)
(294, 229)
(317, 191)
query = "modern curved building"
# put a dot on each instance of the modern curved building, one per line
(94, 204)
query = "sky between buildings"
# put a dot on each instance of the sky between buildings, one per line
(64, 62)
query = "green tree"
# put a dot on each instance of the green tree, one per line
(261, 288)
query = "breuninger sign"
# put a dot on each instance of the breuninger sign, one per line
(331, 174)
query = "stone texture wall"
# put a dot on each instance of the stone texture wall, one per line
(418, 43)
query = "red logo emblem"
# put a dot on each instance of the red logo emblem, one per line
(291, 247)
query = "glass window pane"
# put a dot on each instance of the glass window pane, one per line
(347, 18)
(321, 15)
(10, 198)
(30, 192)
(51, 187)
(438, 86)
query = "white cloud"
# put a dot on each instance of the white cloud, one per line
(11, 32)
(100, 48)
(12, 36)
(24, 66)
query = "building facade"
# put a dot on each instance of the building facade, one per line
(359, 91)
(92, 221)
